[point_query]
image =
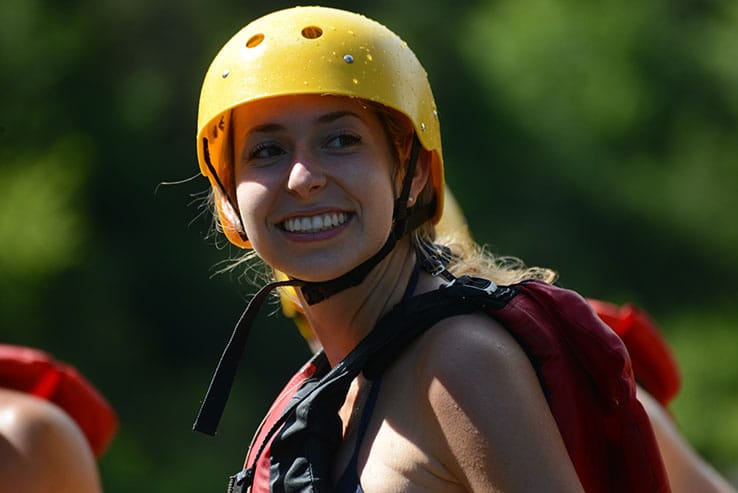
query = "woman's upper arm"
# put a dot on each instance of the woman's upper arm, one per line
(495, 429)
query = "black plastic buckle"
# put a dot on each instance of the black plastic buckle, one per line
(486, 286)
(241, 481)
(483, 292)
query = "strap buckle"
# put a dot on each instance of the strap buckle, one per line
(241, 481)
(482, 292)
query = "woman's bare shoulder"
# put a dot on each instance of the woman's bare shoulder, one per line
(42, 448)
(492, 419)
(476, 342)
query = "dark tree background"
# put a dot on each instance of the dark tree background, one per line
(599, 138)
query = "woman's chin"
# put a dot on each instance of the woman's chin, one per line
(319, 269)
(312, 275)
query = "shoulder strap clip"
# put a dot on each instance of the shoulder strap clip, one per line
(482, 292)
(241, 481)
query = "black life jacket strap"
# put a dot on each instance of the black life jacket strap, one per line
(461, 296)
(404, 220)
(216, 397)
(308, 432)
(239, 482)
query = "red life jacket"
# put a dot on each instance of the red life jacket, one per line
(35, 372)
(260, 462)
(582, 365)
(653, 363)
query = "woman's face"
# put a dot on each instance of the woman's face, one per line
(314, 183)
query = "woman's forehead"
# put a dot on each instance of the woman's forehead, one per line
(284, 109)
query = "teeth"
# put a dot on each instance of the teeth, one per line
(313, 224)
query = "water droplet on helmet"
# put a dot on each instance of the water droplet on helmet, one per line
(422, 126)
(355, 81)
(348, 58)
(225, 74)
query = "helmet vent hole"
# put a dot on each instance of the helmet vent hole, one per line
(255, 40)
(312, 32)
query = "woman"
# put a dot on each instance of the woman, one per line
(319, 134)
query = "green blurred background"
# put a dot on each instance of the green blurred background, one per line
(596, 137)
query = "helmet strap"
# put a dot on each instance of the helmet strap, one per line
(404, 220)
(206, 154)
(219, 389)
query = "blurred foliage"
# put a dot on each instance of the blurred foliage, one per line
(598, 138)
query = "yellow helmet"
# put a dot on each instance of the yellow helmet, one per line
(310, 50)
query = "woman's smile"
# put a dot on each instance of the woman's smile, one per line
(314, 183)
(315, 223)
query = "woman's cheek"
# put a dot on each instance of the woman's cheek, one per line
(253, 206)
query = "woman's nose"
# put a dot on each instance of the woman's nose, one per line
(305, 178)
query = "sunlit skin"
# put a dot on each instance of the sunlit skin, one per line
(306, 159)
(688, 472)
(42, 449)
(314, 156)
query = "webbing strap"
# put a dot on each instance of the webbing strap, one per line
(310, 431)
(315, 292)
(404, 220)
(216, 397)
(221, 187)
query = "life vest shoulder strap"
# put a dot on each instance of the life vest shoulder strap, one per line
(606, 430)
(583, 367)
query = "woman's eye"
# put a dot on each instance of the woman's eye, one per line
(265, 151)
(342, 141)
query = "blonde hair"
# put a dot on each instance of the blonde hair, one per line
(468, 258)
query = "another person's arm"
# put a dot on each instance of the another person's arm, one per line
(42, 449)
(687, 471)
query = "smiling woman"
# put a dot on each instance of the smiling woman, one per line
(315, 158)
(319, 134)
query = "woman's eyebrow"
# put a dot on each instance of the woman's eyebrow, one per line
(322, 119)
(266, 128)
(336, 115)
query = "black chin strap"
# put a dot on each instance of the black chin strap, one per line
(315, 292)
(404, 220)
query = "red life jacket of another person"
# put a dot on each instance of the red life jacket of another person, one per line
(653, 362)
(582, 365)
(37, 373)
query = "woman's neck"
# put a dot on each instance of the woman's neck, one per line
(344, 319)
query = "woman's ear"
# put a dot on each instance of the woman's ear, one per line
(421, 175)
(230, 220)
